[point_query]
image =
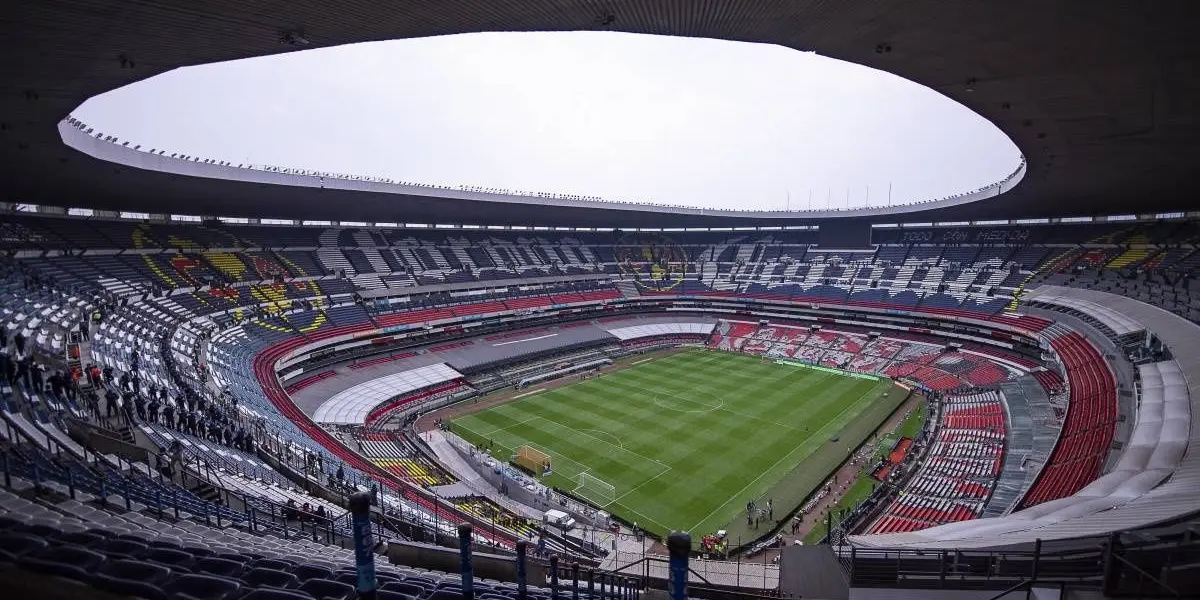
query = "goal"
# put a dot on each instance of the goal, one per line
(534, 460)
(595, 490)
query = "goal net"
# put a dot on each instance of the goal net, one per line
(596, 490)
(534, 460)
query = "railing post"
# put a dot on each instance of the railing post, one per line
(679, 544)
(554, 577)
(851, 569)
(71, 483)
(7, 471)
(364, 557)
(591, 584)
(574, 581)
(464, 553)
(522, 569)
(941, 571)
(128, 502)
(1111, 570)
(175, 501)
(1037, 556)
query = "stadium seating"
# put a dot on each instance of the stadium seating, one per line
(196, 320)
(1089, 425)
(956, 478)
(895, 354)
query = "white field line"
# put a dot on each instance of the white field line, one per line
(498, 429)
(780, 461)
(603, 441)
(529, 393)
(644, 517)
(636, 487)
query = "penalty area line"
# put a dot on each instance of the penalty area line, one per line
(529, 393)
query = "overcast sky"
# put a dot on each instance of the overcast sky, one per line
(668, 120)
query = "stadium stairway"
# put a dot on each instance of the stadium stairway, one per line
(1133, 255)
(1046, 268)
(627, 288)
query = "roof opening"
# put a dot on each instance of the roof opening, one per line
(667, 120)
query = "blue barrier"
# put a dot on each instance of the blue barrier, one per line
(522, 570)
(364, 555)
(464, 551)
(679, 544)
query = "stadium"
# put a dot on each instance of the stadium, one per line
(321, 385)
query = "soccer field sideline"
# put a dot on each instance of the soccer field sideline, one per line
(740, 492)
(655, 407)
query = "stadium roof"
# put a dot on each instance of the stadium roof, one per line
(1100, 97)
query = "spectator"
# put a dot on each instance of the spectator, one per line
(39, 381)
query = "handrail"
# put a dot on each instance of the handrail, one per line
(1145, 574)
(1026, 585)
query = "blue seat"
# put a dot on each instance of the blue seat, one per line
(133, 586)
(198, 552)
(168, 557)
(390, 595)
(263, 577)
(405, 587)
(135, 569)
(328, 589)
(81, 538)
(202, 587)
(42, 530)
(71, 562)
(219, 567)
(122, 547)
(268, 593)
(446, 594)
(381, 579)
(306, 572)
(273, 563)
(14, 545)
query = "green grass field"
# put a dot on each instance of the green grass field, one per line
(687, 439)
(865, 484)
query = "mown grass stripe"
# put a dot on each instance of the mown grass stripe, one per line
(681, 435)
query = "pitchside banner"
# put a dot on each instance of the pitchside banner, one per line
(831, 370)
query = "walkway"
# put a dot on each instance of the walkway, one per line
(452, 461)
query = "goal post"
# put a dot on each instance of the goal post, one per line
(595, 490)
(534, 460)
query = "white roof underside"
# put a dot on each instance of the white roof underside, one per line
(351, 406)
(1157, 477)
(640, 331)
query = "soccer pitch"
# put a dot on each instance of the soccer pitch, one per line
(686, 440)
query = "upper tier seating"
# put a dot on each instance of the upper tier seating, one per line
(956, 478)
(1089, 425)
